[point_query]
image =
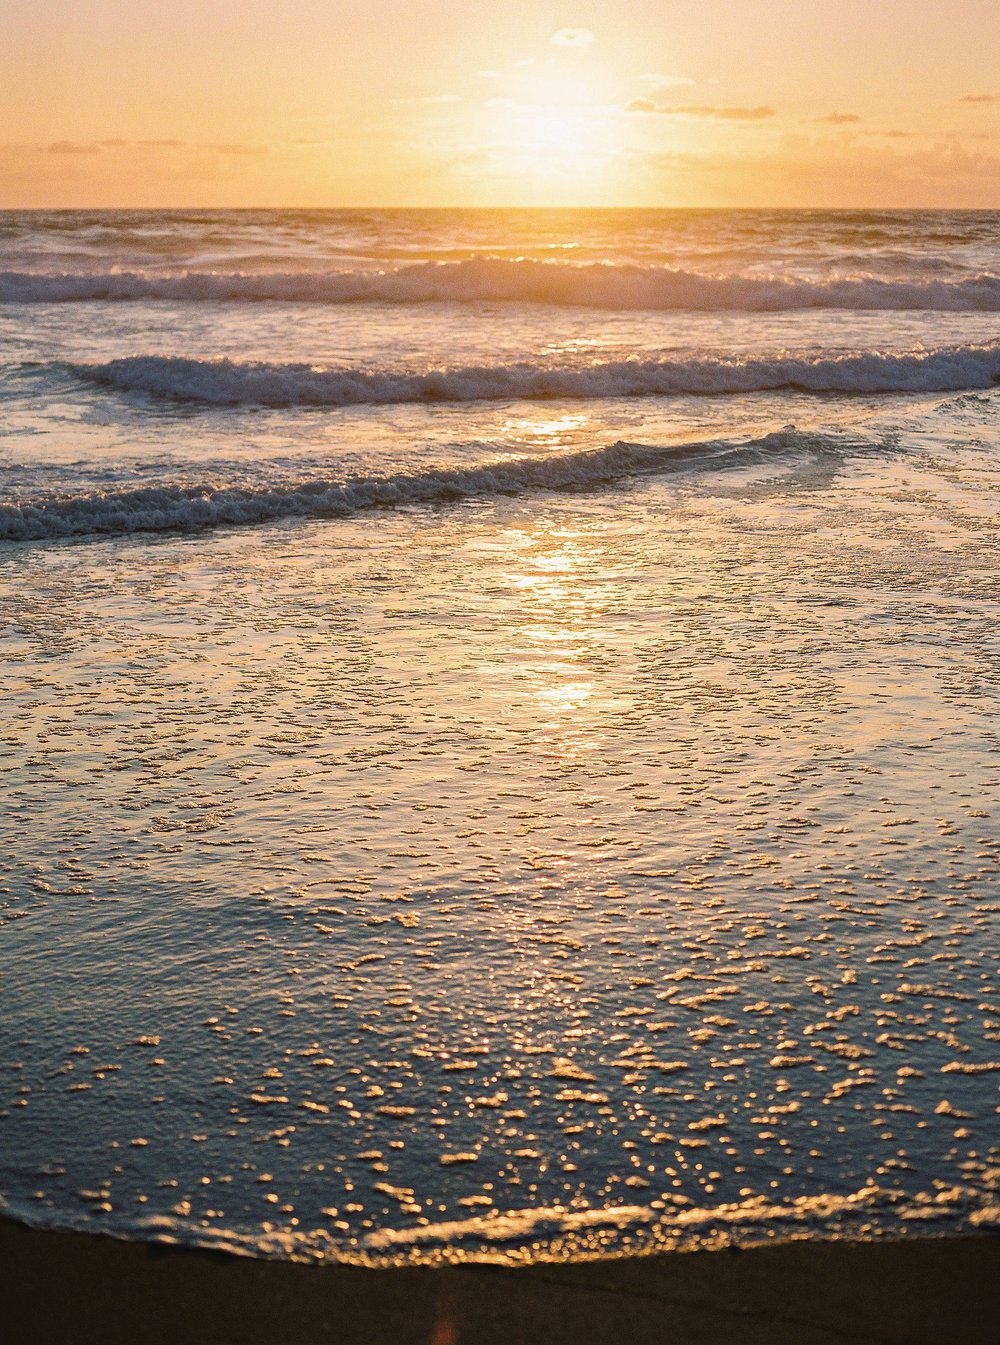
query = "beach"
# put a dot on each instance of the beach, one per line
(501, 767)
(77, 1289)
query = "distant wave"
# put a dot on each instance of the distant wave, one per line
(229, 383)
(169, 507)
(596, 285)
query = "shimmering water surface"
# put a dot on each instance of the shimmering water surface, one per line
(499, 771)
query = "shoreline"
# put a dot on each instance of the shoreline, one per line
(73, 1288)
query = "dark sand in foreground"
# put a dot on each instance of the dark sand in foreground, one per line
(71, 1287)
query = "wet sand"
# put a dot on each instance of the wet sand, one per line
(79, 1289)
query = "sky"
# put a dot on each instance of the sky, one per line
(829, 103)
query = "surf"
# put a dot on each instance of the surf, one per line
(232, 383)
(600, 285)
(194, 507)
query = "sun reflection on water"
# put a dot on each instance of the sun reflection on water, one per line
(555, 579)
(541, 431)
(568, 696)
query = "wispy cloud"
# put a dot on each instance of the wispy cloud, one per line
(981, 98)
(98, 147)
(72, 147)
(838, 119)
(572, 37)
(237, 147)
(710, 113)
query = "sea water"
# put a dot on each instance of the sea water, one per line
(499, 749)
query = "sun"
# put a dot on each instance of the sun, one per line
(559, 131)
(557, 143)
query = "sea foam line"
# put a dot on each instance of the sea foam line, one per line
(231, 383)
(186, 507)
(491, 279)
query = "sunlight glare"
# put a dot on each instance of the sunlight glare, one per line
(554, 135)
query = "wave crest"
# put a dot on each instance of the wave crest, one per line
(484, 279)
(188, 507)
(231, 383)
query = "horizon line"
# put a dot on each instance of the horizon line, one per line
(485, 209)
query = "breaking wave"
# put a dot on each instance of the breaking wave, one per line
(595, 285)
(171, 507)
(230, 383)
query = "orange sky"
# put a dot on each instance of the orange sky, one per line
(442, 102)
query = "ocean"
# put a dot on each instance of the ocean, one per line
(500, 746)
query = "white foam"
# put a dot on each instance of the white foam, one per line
(526, 1233)
(230, 383)
(522, 1226)
(594, 285)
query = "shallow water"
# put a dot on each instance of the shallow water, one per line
(505, 869)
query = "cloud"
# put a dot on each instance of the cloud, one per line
(838, 119)
(238, 148)
(573, 37)
(231, 147)
(747, 114)
(72, 147)
(981, 98)
(724, 113)
(440, 98)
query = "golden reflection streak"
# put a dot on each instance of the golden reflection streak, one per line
(557, 621)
